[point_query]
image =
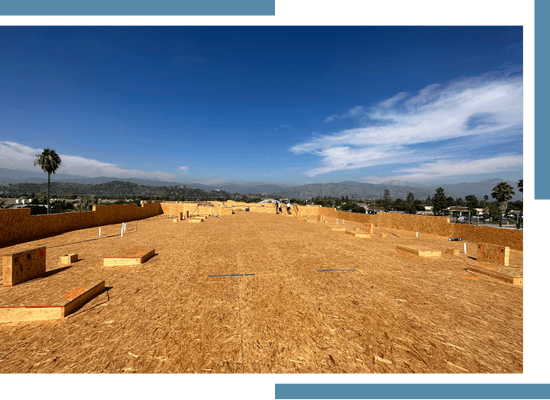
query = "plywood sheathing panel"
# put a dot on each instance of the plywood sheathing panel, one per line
(419, 253)
(18, 226)
(56, 307)
(336, 228)
(128, 257)
(430, 225)
(497, 275)
(164, 316)
(359, 234)
(24, 265)
(494, 254)
(67, 259)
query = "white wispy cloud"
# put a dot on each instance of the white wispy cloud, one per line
(477, 108)
(183, 169)
(446, 168)
(18, 156)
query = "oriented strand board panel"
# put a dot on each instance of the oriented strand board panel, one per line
(57, 307)
(337, 228)
(23, 266)
(493, 253)
(369, 228)
(419, 253)
(498, 275)
(128, 257)
(68, 259)
(358, 234)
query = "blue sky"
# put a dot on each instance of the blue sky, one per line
(285, 104)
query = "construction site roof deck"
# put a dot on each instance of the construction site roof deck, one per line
(259, 293)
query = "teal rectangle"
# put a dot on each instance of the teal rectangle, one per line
(542, 100)
(137, 7)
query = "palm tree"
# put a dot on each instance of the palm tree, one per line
(502, 193)
(520, 187)
(49, 161)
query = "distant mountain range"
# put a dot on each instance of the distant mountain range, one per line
(106, 186)
(8, 176)
(359, 190)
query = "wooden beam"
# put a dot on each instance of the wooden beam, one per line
(83, 298)
(358, 234)
(419, 253)
(68, 259)
(498, 275)
(138, 257)
(59, 309)
(336, 228)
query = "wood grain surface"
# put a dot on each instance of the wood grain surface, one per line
(394, 313)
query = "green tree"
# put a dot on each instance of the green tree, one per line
(502, 193)
(49, 161)
(85, 204)
(68, 196)
(386, 201)
(42, 197)
(440, 201)
(411, 207)
(494, 211)
(471, 203)
(356, 208)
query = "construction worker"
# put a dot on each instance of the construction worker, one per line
(276, 207)
(288, 207)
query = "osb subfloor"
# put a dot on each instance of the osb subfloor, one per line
(397, 313)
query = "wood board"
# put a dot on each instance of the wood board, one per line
(23, 266)
(518, 281)
(358, 234)
(395, 315)
(128, 257)
(419, 253)
(60, 292)
(68, 259)
(494, 254)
